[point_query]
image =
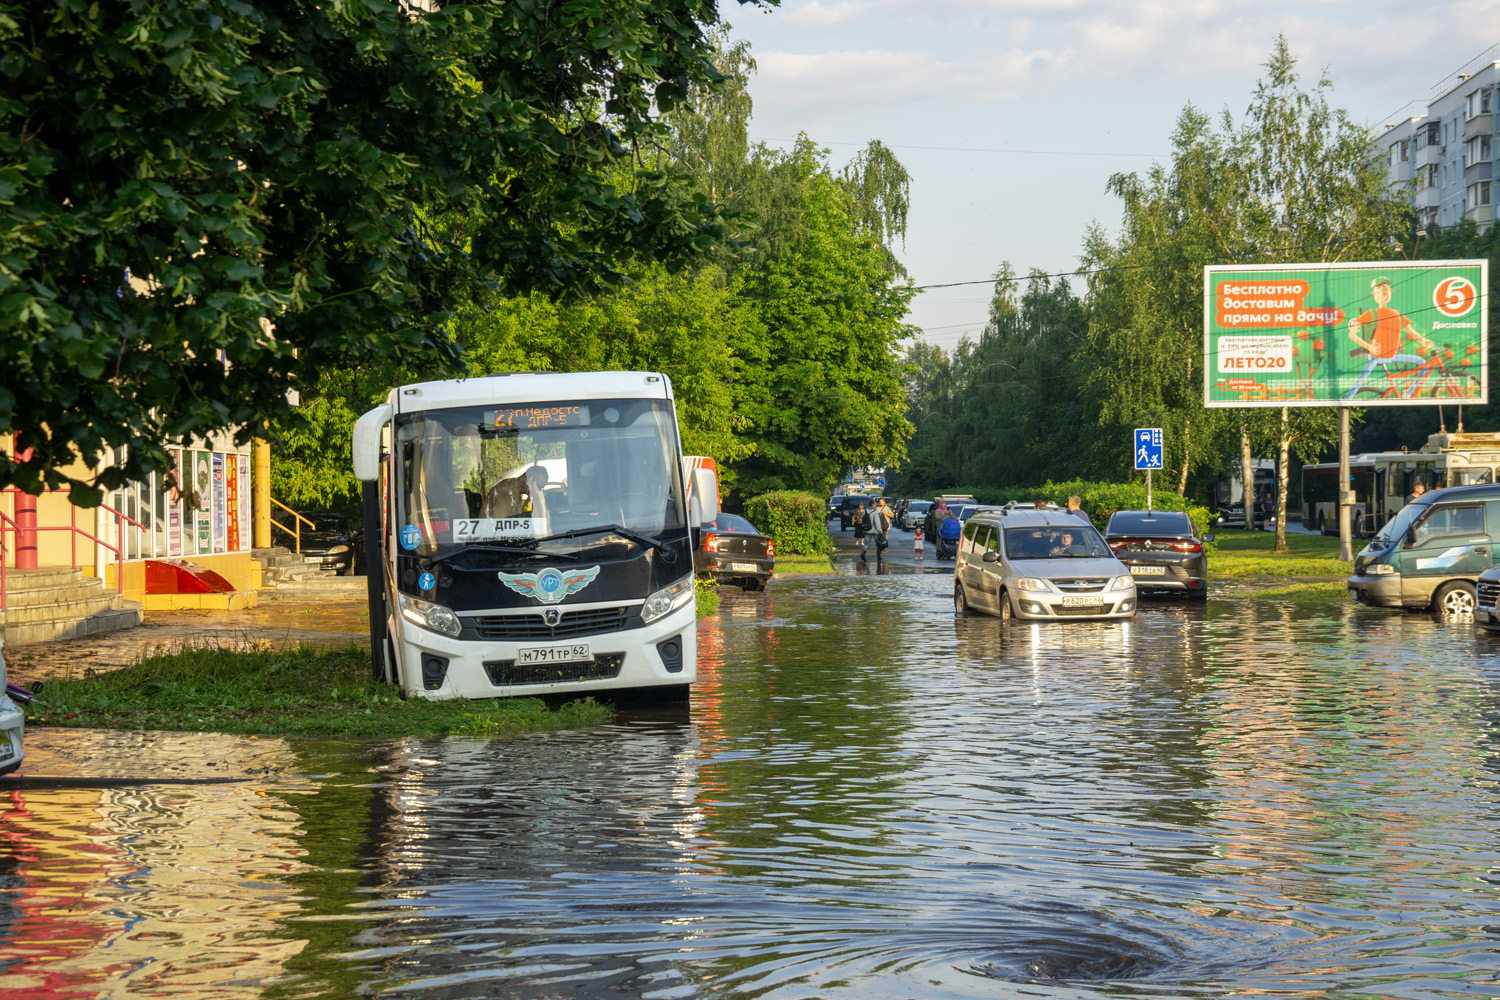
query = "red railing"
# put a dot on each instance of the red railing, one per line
(8, 525)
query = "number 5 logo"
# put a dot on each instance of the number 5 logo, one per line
(1454, 296)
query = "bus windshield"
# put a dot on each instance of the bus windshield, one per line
(507, 479)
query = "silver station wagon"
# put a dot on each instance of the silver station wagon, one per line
(1039, 564)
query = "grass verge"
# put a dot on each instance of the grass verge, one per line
(1249, 553)
(1303, 592)
(288, 691)
(708, 596)
(798, 563)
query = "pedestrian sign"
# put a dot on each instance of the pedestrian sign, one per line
(1148, 449)
(880, 482)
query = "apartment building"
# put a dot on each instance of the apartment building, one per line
(1443, 149)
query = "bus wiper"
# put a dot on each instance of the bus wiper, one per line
(501, 549)
(614, 529)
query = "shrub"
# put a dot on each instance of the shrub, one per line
(796, 520)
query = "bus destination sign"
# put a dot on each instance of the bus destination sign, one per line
(530, 418)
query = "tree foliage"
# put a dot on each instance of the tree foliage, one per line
(299, 187)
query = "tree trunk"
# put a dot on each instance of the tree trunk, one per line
(1187, 453)
(1283, 478)
(1247, 475)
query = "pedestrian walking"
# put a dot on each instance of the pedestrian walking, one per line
(916, 542)
(861, 529)
(880, 524)
(1075, 507)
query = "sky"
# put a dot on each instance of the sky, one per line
(1011, 115)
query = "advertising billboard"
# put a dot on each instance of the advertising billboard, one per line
(1395, 333)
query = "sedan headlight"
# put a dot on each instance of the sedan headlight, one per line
(667, 600)
(1379, 569)
(430, 616)
(1033, 583)
(337, 549)
(1123, 583)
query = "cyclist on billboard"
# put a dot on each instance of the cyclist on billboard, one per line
(1384, 345)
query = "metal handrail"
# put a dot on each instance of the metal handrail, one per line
(296, 530)
(9, 524)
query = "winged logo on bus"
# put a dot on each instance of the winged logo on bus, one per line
(549, 585)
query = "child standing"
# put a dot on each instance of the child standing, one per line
(916, 543)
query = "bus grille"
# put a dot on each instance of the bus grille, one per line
(573, 624)
(506, 672)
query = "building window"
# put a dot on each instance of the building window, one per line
(1477, 103)
(1478, 195)
(1477, 150)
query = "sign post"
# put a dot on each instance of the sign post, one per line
(1148, 454)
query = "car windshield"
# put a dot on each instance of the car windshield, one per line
(919, 506)
(1141, 524)
(502, 476)
(1054, 542)
(328, 522)
(1395, 528)
(731, 524)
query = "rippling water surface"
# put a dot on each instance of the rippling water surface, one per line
(866, 798)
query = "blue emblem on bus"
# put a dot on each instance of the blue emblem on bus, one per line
(411, 537)
(549, 585)
(426, 581)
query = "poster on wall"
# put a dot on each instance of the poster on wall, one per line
(174, 509)
(1387, 333)
(202, 494)
(219, 518)
(244, 491)
(232, 500)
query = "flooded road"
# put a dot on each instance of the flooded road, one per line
(866, 798)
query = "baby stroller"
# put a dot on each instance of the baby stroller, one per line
(948, 534)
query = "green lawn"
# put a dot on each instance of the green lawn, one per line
(798, 563)
(1315, 592)
(1249, 553)
(292, 691)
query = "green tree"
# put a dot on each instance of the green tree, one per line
(179, 175)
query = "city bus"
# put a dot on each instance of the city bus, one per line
(531, 534)
(1381, 481)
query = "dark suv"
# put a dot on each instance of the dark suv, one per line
(851, 504)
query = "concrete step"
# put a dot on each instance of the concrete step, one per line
(110, 620)
(327, 583)
(52, 576)
(60, 609)
(78, 590)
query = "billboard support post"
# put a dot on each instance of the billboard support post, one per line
(1346, 495)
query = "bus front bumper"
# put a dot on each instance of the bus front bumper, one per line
(663, 653)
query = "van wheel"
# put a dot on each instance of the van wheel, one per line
(961, 602)
(1455, 599)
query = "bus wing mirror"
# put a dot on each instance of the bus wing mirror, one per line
(703, 500)
(366, 443)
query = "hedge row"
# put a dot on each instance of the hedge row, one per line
(796, 520)
(1099, 499)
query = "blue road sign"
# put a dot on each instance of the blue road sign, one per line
(1148, 449)
(880, 481)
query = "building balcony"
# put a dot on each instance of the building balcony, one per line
(1479, 125)
(1481, 214)
(1430, 154)
(1482, 171)
(1400, 173)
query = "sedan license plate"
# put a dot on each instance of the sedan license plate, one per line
(1080, 601)
(1148, 570)
(575, 653)
(743, 567)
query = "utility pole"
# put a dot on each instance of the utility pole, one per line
(1346, 495)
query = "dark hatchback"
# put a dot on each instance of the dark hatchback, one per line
(851, 504)
(331, 543)
(1161, 551)
(734, 551)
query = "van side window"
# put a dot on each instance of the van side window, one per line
(976, 543)
(1451, 520)
(969, 530)
(994, 542)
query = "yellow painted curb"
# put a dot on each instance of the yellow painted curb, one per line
(236, 601)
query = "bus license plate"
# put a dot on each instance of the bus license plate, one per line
(555, 654)
(1149, 570)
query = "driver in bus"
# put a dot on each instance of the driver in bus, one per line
(518, 496)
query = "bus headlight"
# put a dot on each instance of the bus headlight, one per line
(667, 600)
(430, 616)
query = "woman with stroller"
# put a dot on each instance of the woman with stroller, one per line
(948, 535)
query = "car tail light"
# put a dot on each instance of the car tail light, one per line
(710, 542)
(1187, 546)
(770, 548)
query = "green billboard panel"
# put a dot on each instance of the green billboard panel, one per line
(1405, 333)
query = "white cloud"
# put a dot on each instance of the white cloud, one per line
(815, 14)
